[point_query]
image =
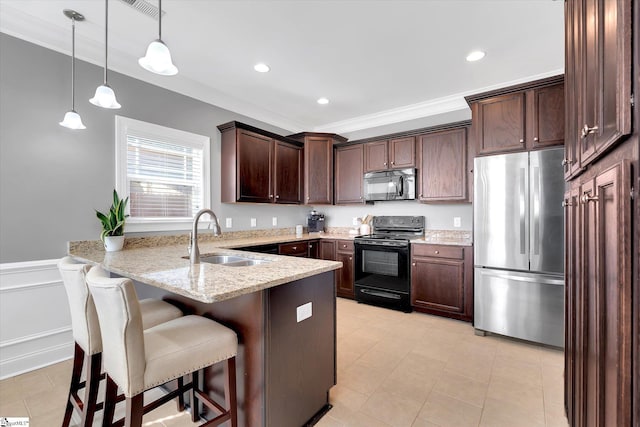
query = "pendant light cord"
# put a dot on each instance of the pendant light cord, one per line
(106, 37)
(73, 64)
(159, 19)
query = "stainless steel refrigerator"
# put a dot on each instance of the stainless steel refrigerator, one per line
(519, 245)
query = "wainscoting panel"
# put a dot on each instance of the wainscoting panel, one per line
(35, 325)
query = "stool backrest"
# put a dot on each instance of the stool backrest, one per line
(120, 318)
(84, 319)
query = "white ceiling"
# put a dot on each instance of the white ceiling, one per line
(379, 62)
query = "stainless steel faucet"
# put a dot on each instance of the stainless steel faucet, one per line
(194, 252)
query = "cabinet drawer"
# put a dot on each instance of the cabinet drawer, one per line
(295, 248)
(344, 245)
(438, 251)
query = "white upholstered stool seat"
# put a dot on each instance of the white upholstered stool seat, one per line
(88, 341)
(137, 360)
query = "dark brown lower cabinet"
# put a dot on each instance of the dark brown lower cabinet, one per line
(300, 249)
(598, 371)
(442, 280)
(343, 251)
(313, 247)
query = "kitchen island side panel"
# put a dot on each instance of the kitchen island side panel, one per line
(284, 368)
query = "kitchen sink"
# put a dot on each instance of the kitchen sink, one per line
(232, 260)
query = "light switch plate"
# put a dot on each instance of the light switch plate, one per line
(457, 221)
(274, 221)
(303, 312)
(229, 222)
(254, 222)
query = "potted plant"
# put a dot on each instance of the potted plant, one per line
(113, 224)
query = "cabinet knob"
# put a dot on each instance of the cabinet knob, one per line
(277, 196)
(566, 162)
(413, 264)
(420, 196)
(294, 248)
(271, 196)
(344, 246)
(393, 163)
(521, 141)
(535, 139)
(566, 203)
(350, 258)
(436, 252)
(308, 198)
(586, 130)
(587, 198)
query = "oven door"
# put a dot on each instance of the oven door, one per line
(382, 267)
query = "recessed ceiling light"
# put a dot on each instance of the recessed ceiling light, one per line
(261, 68)
(323, 101)
(476, 55)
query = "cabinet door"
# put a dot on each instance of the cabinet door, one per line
(501, 124)
(313, 249)
(254, 175)
(287, 172)
(442, 161)
(345, 276)
(573, 93)
(299, 249)
(606, 80)
(349, 174)
(545, 108)
(318, 167)
(606, 227)
(402, 153)
(438, 284)
(327, 249)
(376, 156)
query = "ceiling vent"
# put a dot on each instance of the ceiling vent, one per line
(145, 7)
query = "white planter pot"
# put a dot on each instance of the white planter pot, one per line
(113, 243)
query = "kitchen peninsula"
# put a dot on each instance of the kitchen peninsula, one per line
(283, 310)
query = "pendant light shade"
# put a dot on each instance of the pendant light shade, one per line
(72, 119)
(105, 97)
(158, 58)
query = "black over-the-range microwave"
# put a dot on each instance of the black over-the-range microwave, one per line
(390, 185)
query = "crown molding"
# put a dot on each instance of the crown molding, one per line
(433, 107)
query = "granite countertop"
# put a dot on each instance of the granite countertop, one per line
(166, 267)
(445, 237)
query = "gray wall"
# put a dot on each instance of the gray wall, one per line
(52, 178)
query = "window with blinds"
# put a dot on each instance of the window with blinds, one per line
(163, 171)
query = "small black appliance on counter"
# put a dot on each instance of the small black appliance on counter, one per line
(315, 221)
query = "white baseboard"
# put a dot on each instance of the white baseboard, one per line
(35, 325)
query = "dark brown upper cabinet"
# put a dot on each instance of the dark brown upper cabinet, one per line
(390, 154)
(442, 166)
(258, 166)
(598, 77)
(519, 118)
(318, 166)
(349, 174)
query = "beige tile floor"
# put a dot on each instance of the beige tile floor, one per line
(394, 369)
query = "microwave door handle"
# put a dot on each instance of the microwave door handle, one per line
(401, 186)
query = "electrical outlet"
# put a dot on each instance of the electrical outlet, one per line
(254, 222)
(304, 311)
(274, 221)
(229, 222)
(457, 221)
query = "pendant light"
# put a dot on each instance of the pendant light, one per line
(158, 58)
(72, 120)
(105, 97)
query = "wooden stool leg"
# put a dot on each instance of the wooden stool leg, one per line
(92, 383)
(110, 397)
(195, 410)
(134, 411)
(181, 395)
(78, 360)
(230, 390)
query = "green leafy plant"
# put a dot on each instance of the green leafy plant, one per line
(113, 222)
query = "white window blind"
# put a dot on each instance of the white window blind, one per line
(164, 172)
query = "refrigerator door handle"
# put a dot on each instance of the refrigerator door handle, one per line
(537, 279)
(522, 207)
(535, 207)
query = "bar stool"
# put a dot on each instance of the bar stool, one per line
(88, 341)
(137, 360)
